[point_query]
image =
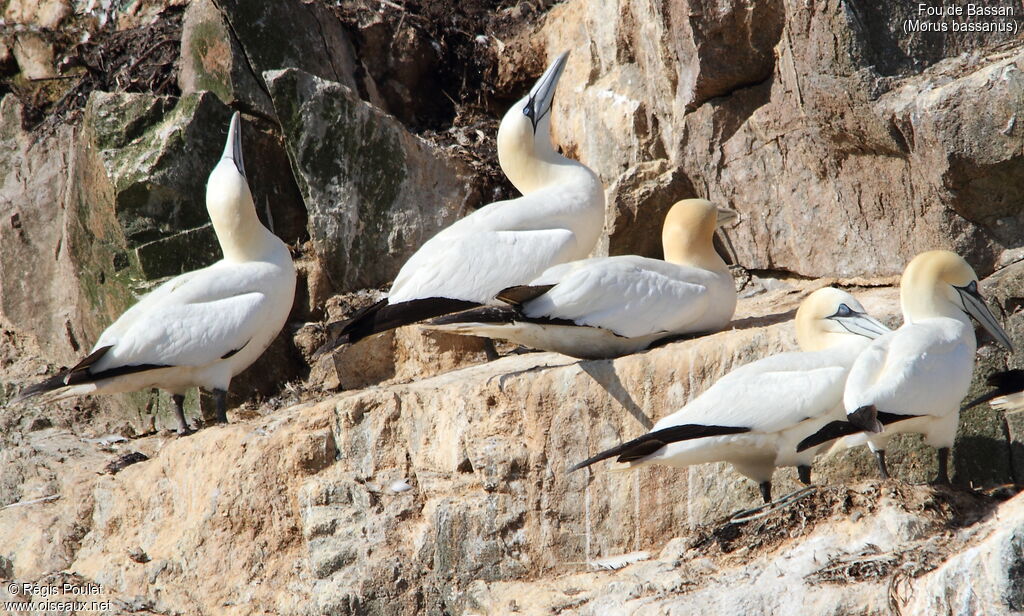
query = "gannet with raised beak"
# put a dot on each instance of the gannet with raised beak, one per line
(914, 379)
(558, 219)
(753, 416)
(611, 306)
(201, 328)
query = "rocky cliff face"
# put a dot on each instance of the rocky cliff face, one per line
(405, 475)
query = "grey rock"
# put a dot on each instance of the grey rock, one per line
(374, 192)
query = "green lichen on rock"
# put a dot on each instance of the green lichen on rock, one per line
(373, 191)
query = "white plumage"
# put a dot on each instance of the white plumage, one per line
(768, 405)
(200, 328)
(618, 305)
(914, 379)
(559, 218)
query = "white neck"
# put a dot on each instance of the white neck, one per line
(241, 235)
(919, 302)
(528, 159)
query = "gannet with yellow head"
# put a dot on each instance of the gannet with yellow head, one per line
(558, 219)
(753, 416)
(611, 306)
(202, 328)
(914, 379)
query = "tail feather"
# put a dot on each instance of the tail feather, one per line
(653, 441)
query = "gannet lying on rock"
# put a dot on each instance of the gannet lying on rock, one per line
(754, 416)
(558, 219)
(914, 379)
(611, 306)
(202, 328)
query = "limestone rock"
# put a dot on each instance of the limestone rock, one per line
(374, 192)
(212, 59)
(300, 499)
(823, 125)
(291, 34)
(34, 56)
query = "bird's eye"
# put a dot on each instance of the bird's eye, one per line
(528, 111)
(843, 311)
(973, 287)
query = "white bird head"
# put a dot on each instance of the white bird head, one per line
(228, 199)
(829, 317)
(688, 233)
(525, 131)
(940, 283)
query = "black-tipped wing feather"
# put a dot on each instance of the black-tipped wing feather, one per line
(500, 315)
(382, 316)
(519, 295)
(839, 429)
(80, 373)
(1005, 383)
(653, 441)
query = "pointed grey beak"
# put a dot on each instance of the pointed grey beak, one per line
(542, 94)
(233, 147)
(975, 306)
(863, 324)
(726, 216)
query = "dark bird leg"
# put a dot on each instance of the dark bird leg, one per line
(804, 472)
(490, 351)
(943, 477)
(882, 470)
(220, 399)
(179, 412)
(766, 491)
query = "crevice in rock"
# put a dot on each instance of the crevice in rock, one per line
(747, 85)
(245, 54)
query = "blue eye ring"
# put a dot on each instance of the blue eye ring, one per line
(843, 311)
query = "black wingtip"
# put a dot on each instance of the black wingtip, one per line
(1005, 383)
(865, 418)
(651, 442)
(384, 316)
(485, 314)
(521, 294)
(830, 431)
(981, 399)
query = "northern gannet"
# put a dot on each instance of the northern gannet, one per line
(558, 219)
(754, 416)
(1007, 393)
(203, 327)
(611, 306)
(913, 379)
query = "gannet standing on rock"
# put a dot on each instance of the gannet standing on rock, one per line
(611, 306)
(754, 416)
(914, 379)
(202, 328)
(558, 219)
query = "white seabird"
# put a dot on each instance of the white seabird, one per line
(201, 328)
(914, 379)
(754, 416)
(558, 219)
(611, 306)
